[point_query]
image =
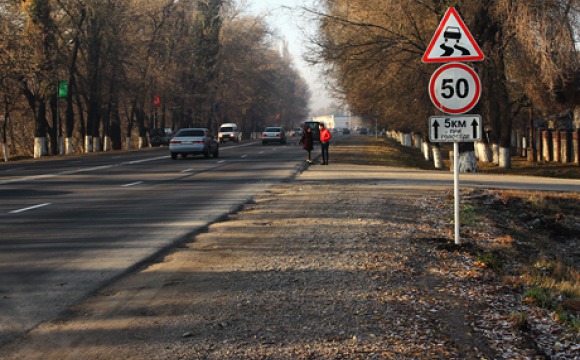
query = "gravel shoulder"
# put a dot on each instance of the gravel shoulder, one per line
(348, 269)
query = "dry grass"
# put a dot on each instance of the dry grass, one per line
(520, 166)
(542, 227)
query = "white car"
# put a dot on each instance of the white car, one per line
(193, 141)
(229, 132)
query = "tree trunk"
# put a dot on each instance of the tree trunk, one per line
(505, 157)
(495, 153)
(4, 136)
(97, 144)
(88, 144)
(53, 130)
(467, 159)
(437, 158)
(40, 130)
(107, 144)
(141, 125)
(425, 150)
(493, 74)
(116, 141)
(39, 147)
(68, 145)
(483, 151)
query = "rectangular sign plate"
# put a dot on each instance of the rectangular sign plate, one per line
(464, 128)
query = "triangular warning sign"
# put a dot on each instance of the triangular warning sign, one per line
(452, 42)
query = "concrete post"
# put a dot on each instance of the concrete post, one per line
(556, 146)
(546, 145)
(565, 147)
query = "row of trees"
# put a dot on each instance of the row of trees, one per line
(134, 65)
(372, 50)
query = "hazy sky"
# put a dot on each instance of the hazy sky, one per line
(285, 18)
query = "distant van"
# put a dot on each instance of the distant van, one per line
(315, 130)
(229, 132)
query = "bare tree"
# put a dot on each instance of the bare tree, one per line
(373, 49)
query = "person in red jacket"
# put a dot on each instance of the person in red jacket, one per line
(325, 137)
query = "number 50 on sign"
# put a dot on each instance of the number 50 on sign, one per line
(455, 88)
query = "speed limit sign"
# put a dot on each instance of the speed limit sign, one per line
(454, 88)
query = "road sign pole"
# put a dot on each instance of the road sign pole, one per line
(454, 89)
(456, 190)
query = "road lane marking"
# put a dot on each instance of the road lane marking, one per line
(133, 162)
(243, 156)
(29, 208)
(103, 167)
(133, 184)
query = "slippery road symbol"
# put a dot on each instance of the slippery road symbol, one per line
(452, 33)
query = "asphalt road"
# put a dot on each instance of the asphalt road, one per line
(70, 226)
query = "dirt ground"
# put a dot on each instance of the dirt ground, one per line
(312, 270)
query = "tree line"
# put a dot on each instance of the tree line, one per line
(372, 50)
(93, 75)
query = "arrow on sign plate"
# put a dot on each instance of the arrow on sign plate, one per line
(475, 125)
(436, 129)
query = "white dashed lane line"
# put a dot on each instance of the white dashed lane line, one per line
(29, 208)
(133, 184)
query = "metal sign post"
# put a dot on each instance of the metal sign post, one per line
(456, 190)
(456, 129)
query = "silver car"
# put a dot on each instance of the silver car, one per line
(193, 141)
(273, 134)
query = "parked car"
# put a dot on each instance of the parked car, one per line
(229, 132)
(345, 131)
(363, 131)
(158, 137)
(273, 134)
(193, 141)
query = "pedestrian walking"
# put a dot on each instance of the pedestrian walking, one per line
(308, 142)
(325, 137)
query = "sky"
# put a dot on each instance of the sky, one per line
(284, 17)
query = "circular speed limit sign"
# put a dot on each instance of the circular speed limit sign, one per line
(454, 88)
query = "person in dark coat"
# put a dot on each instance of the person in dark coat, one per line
(308, 141)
